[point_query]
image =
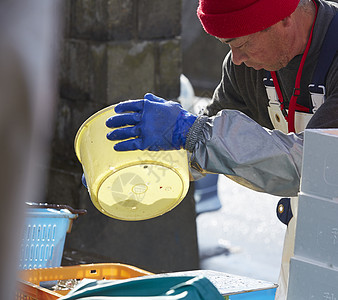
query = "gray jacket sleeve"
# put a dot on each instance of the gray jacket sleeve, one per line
(231, 143)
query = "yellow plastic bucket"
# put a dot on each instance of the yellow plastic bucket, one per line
(129, 185)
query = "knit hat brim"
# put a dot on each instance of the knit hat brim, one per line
(253, 18)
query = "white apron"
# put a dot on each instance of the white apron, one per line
(279, 122)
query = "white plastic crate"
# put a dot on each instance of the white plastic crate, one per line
(312, 280)
(317, 229)
(320, 163)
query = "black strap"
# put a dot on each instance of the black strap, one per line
(283, 210)
(267, 80)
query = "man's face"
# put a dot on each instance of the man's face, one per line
(267, 49)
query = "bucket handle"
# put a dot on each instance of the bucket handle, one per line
(79, 212)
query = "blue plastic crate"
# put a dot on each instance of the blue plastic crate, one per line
(268, 294)
(44, 237)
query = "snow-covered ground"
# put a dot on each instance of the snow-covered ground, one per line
(247, 225)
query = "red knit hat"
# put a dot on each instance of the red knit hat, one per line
(235, 18)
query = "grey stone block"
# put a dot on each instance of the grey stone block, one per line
(87, 19)
(121, 20)
(312, 281)
(85, 68)
(169, 68)
(131, 70)
(317, 230)
(69, 118)
(66, 14)
(74, 71)
(98, 72)
(102, 20)
(320, 164)
(159, 19)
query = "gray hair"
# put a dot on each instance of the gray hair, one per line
(306, 5)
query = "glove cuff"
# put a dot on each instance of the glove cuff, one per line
(194, 133)
(183, 123)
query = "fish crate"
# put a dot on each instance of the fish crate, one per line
(28, 285)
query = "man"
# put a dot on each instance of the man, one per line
(236, 136)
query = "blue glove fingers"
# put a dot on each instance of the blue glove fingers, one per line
(123, 120)
(131, 105)
(133, 144)
(123, 133)
(152, 97)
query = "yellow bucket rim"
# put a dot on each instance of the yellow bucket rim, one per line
(84, 124)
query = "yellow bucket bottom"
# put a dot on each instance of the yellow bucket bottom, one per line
(139, 192)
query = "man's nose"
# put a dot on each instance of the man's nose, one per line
(238, 56)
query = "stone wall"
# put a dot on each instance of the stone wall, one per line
(115, 50)
(203, 54)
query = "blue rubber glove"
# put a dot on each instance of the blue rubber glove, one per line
(83, 180)
(152, 123)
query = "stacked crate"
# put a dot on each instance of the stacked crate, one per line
(314, 267)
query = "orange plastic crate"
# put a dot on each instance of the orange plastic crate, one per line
(29, 291)
(28, 285)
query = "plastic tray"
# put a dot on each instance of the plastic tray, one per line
(28, 286)
(46, 226)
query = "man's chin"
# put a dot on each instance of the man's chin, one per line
(271, 69)
(262, 67)
(256, 67)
